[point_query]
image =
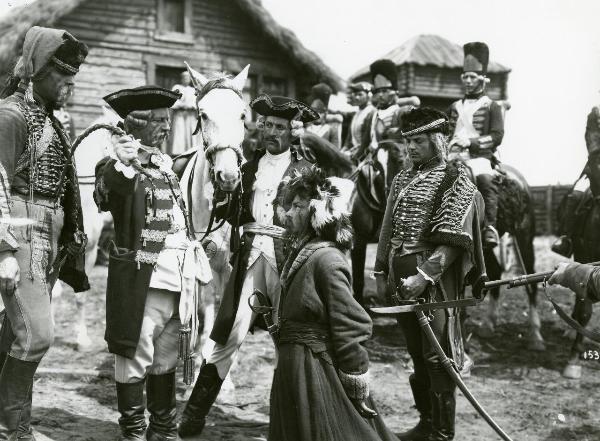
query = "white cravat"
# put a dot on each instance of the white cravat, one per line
(269, 174)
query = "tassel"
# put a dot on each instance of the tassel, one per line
(185, 353)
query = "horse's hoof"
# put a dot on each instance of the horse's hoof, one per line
(536, 345)
(572, 371)
(83, 343)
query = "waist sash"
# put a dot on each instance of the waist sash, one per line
(314, 336)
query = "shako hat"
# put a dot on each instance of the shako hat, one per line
(141, 98)
(320, 94)
(424, 120)
(283, 107)
(477, 56)
(384, 75)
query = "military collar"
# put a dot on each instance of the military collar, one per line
(429, 165)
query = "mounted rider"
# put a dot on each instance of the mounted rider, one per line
(155, 268)
(328, 126)
(258, 208)
(564, 244)
(359, 133)
(429, 248)
(477, 128)
(39, 193)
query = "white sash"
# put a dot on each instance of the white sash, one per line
(464, 125)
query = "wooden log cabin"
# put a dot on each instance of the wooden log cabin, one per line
(429, 67)
(138, 42)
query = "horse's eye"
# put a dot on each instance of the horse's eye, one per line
(243, 117)
(204, 116)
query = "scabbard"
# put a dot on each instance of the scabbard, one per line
(454, 374)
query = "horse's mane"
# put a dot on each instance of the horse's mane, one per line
(218, 80)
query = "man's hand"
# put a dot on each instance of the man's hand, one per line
(558, 276)
(364, 410)
(126, 149)
(10, 274)
(413, 286)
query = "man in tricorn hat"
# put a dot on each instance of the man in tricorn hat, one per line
(260, 255)
(153, 272)
(477, 127)
(429, 248)
(358, 138)
(328, 126)
(39, 181)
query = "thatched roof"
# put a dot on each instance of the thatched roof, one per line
(430, 50)
(15, 24)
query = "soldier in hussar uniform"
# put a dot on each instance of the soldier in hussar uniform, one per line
(477, 128)
(153, 274)
(429, 248)
(39, 181)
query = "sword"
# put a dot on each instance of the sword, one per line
(452, 370)
(265, 308)
(420, 305)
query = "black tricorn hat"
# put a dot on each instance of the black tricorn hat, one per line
(283, 107)
(384, 74)
(424, 120)
(141, 98)
(321, 92)
(477, 57)
(70, 55)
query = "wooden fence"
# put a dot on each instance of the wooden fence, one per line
(546, 200)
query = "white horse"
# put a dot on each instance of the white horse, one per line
(221, 115)
(91, 150)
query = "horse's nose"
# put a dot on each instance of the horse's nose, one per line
(228, 176)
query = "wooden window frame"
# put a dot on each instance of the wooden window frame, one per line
(185, 37)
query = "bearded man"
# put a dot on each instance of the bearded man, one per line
(429, 248)
(39, 181)
(477, 127)
(151, 297)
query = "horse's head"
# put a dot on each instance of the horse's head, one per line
(221, 115)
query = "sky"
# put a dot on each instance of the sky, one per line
(552, 47)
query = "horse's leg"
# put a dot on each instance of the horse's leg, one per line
(358, 255)
(582, 312)
(535, 339)
(494, 271)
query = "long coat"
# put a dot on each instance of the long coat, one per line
(322, 361)
(241, 215)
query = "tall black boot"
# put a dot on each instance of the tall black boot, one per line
(130, 402)
(16, 382)
(162, 405)
(444, 409)
(423, 404)
(203, 396)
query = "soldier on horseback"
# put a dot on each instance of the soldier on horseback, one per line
(39, 191)
(359, 131)
(328, 126)
(477, 129)
(564, 244)
(429, 248)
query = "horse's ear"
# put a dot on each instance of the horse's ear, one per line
(240, 80)
(198, 80)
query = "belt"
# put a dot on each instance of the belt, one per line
(312, 335)
(44, 201)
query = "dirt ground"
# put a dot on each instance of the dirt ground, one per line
(74, 396)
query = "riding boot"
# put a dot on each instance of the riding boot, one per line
(444, 409)
(16, 382)
(130, 403)
(161, 401)
(203, 396)
(24, 431)
(423, 404)
(489, 192)
(564, 244)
